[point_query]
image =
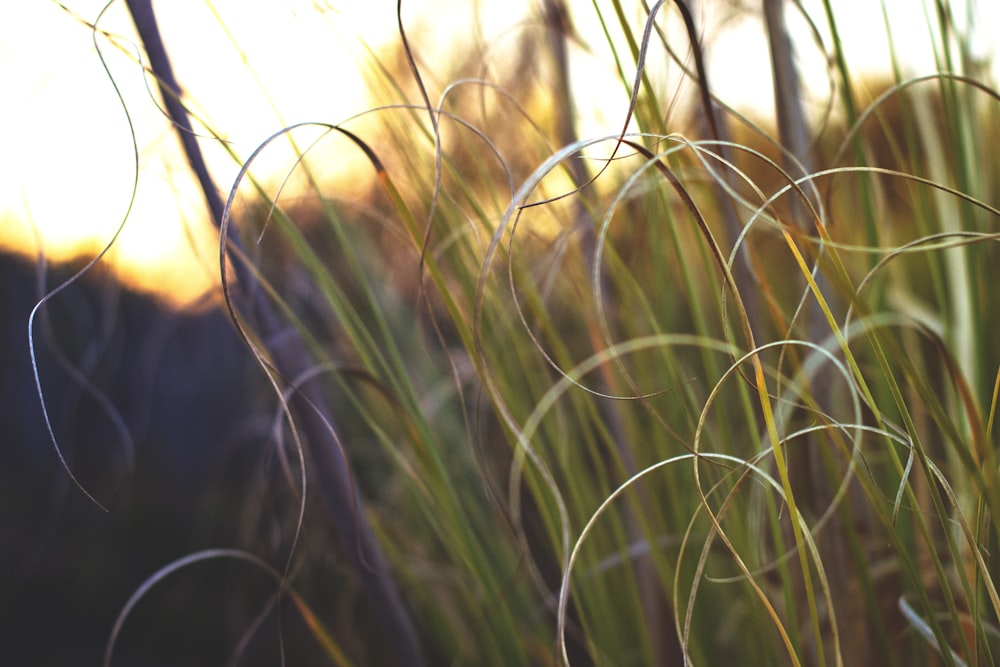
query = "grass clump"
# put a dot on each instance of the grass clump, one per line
(692, 390)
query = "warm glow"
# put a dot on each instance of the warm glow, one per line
(68, 164)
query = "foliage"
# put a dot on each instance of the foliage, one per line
(691, 390)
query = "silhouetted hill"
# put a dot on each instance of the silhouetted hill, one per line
(183, 386)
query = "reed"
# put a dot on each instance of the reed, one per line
(704, 389)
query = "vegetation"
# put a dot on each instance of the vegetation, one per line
(703, 389)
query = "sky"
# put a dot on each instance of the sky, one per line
(69, 166)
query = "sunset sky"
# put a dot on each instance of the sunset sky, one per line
(68, 162)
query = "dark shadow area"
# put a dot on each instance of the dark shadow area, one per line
(184, 386)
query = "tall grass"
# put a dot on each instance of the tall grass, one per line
(701, 389)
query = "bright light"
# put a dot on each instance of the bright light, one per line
(68, 162)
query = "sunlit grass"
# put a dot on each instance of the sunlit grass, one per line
(667, 393)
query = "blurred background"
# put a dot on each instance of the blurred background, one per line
(250, 70)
